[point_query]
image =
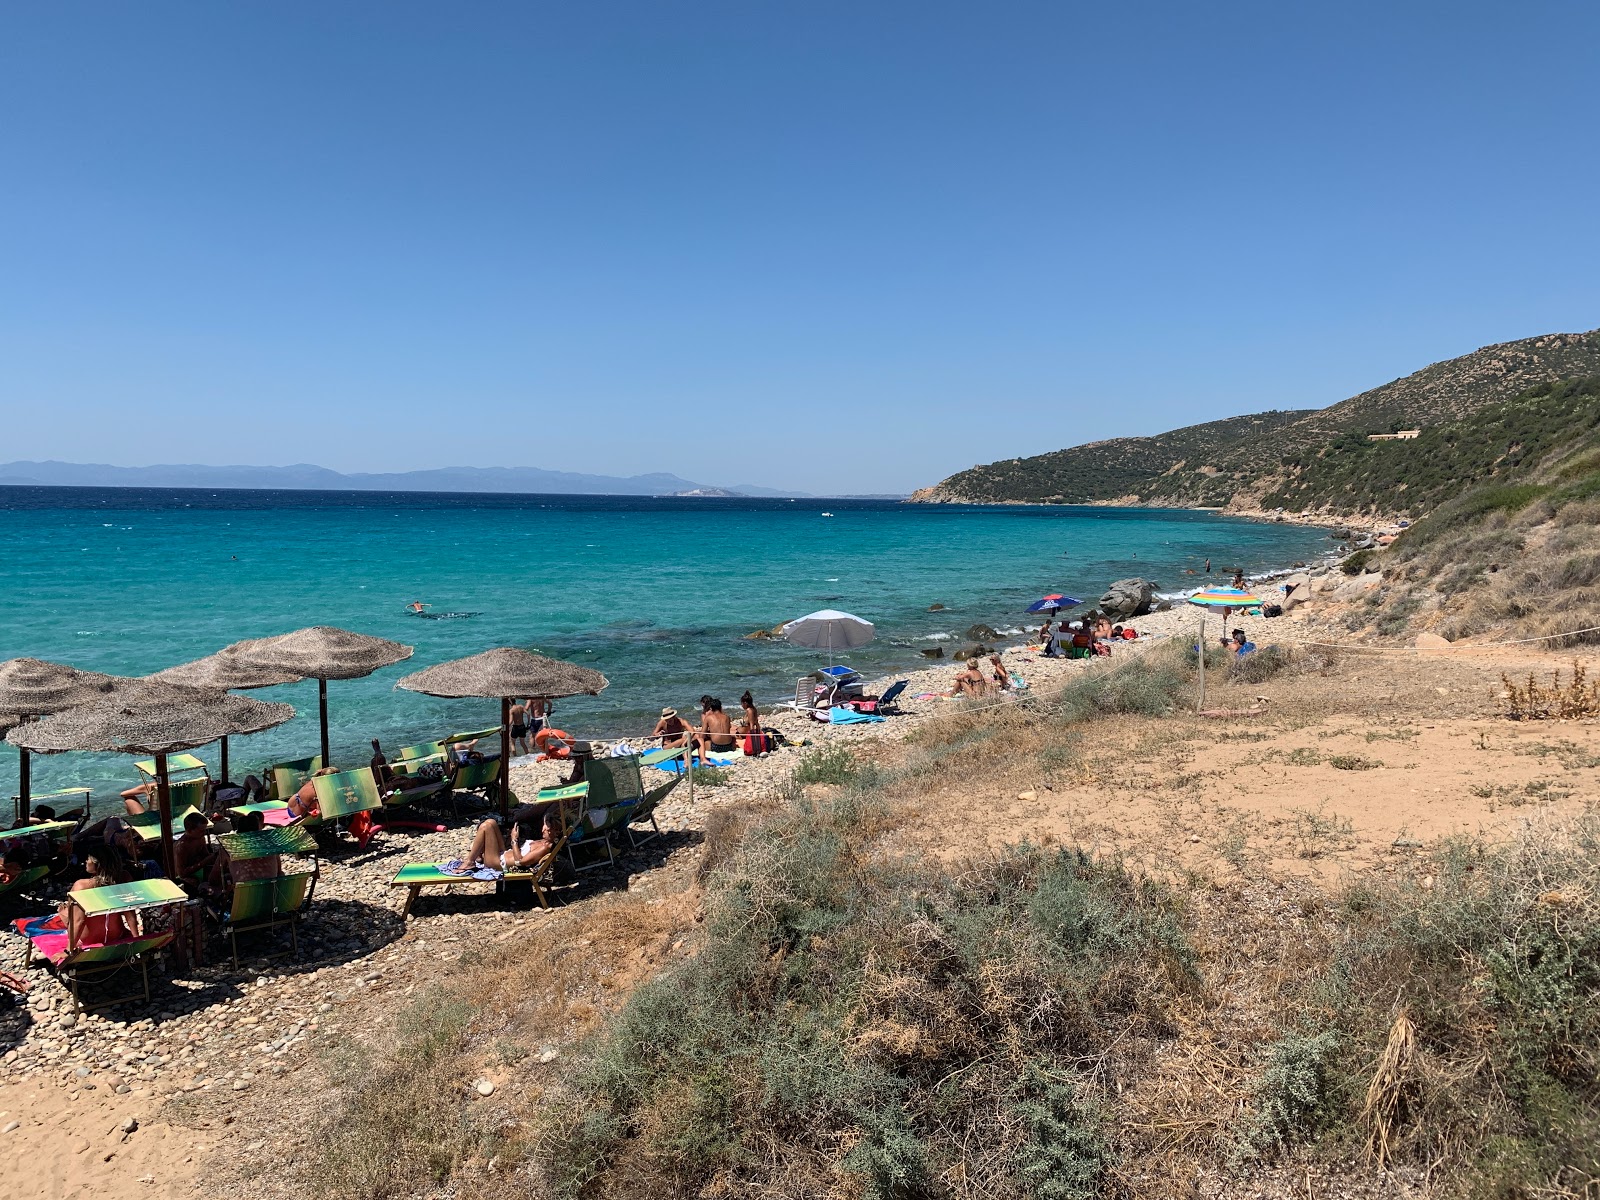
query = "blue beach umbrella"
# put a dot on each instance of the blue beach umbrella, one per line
(1053, 603)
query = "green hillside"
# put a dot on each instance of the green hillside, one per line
(1319, 459)
(1501, 443)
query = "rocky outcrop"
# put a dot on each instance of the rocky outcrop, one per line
(1128, 598)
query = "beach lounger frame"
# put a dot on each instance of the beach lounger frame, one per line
(281, 899)
(286, 778)
(256, 904)
(78, 965)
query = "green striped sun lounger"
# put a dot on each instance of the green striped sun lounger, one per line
(267, 903)
(57, 830)
(345, 794)
(416, 876)
(77, 964)
(73, 799)
(284, 839)
(285, 779)
(148, 825)
(176, 764)
(407, 755)
(24, 881)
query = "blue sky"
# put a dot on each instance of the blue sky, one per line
(828, 246)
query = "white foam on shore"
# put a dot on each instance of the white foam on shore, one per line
(938, 637)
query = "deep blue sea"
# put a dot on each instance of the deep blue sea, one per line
(656, 593)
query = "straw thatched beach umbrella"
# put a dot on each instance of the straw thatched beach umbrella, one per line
(224, 671)
(142, 717)
(322, 652)
(505, 673)
(30, 687)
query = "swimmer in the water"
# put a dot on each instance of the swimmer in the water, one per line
(417, 606)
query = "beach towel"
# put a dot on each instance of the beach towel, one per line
(674, 766)
(847, 716)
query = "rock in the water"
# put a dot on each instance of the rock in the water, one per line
(934, 652)
(1127, 598)
(982, 633)
(979, 650)
(758, 635)
(935, 608)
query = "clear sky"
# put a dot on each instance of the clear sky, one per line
(830, 246)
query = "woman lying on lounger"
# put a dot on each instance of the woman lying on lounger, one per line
(304, 802)
(525, 851)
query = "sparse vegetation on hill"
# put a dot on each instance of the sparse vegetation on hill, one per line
(1319, 459)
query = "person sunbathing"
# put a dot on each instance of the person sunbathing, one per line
(534, 832)
(12, 867)
(752, 717)
(716, 729)
(105, 868)
(304, 802)
(1002, 677)
(969, 681)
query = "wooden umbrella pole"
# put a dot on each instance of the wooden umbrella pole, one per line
(164, 803)
(24, 786)
(505, 756)
(322, 711)
(223, 769)
(1200, 648)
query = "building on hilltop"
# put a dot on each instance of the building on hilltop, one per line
(1404, 435)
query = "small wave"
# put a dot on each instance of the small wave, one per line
(1011, 632)
(939, 637)
(831, 579)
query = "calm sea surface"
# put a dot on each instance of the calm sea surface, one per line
(657, 593)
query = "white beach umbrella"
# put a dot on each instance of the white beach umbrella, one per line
(829, 629)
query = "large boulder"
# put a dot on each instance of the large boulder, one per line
(1128, 598)
(982, 633)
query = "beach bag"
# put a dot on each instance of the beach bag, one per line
(1272, 610)
(1129, 634)
(757, 743)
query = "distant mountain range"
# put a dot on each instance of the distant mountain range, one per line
(306, 477)
(1318, 460)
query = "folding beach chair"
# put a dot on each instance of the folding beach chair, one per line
(28, 840)
(343, 795)
(571, 802)
(180, 768)
(63, 800)
(286, 778)
(480, 779)
(885, 704)
(25, 881)
(268, 903)
(51, 942)
(187, 797)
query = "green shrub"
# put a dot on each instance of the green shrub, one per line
(1356, 563)
(1148, 684)
(834, 764)
(1292, 1090)
(857, 1025)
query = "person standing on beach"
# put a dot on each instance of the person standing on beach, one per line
(519, 729)
(1238, 578)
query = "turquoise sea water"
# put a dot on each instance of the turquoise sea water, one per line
(656, 593)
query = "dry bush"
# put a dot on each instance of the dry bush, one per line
(1533, 701)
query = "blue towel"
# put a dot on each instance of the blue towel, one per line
(848, 716)
(674, 766)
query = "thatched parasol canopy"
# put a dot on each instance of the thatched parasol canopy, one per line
(322, 652)
(147, 717)
(150, 718)
(505, 672)
(32, 687)
(225, 671)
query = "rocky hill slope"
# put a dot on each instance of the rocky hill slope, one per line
(1242, 462)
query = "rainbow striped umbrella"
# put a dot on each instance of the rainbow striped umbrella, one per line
(1225, 598)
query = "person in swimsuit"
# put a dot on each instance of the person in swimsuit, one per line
(304, 802)
(538, 709)
(1002, 677)
(520, 743)
(199, 864)
(104, 869)
(534, 831)
(716, 728)
(671, 729)
(752, 717)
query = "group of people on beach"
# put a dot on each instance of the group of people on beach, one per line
(982, 677)
(717, 733)
(1093, 634)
